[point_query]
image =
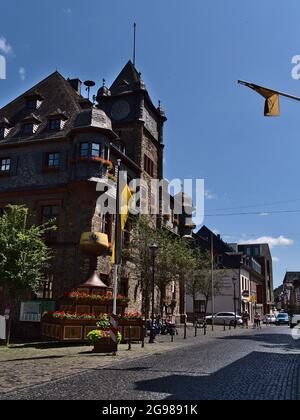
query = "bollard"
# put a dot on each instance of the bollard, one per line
(143, 336)
(184, 336)
(195, 330)
(172, 336)
(129, 338)
(204, 328)
(224, 325)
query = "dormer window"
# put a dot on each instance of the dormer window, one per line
(33, 101)
(28, 128)
(57, 120)
(4, 127)
(31, 104)
(54, 124)
(2, 133)
(30, 125)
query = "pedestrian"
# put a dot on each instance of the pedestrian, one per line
(245, 318)
(257, 321)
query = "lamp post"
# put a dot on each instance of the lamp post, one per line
(234, 280)
(154, 251)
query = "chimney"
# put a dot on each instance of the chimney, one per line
(76, 85)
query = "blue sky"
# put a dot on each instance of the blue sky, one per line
(190, 55)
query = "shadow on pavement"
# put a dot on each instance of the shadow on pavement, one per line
(31, 358)
(272, 340)
(258, 376)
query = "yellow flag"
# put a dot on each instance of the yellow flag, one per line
(272, 108)
(124, 211)
(272, 101)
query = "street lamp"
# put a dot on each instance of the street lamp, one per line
(154, 250)
(234, 280)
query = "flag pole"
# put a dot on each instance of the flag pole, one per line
(253, 86)
(117, 241)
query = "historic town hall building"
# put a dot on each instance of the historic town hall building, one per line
(55, 145)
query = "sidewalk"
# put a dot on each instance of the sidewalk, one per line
(32, 364)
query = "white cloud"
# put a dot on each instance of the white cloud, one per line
(22, 73)
(275, 259)
(5, 47)
(280, 241)
(210, 195)
(264, 214)
(67, 11)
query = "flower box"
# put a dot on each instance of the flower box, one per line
(106, 345)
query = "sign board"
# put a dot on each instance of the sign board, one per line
(2, 328)
(246, 294)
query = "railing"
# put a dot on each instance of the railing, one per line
(30, 317)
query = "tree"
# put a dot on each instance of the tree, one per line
(137, 252)
(174, 259)
(200, 283)
(23, 254)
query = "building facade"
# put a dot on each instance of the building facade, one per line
(55, 148)
(239, 277)
(290, 296)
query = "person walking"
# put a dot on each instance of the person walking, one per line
(257, 321)
(245, 318)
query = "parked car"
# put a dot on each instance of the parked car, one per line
(269, 319)
(228, 317)
(283, 319)
(295, 320)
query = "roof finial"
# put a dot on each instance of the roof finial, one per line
(103, 81)
(134, 42)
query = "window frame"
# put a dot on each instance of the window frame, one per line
(54, 120)
(5, 171)
(100, 150)
(81, 150)
(47, 160)
(25, 131)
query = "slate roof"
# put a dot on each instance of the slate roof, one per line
(292, 276)
(127, 81)
(58, 97)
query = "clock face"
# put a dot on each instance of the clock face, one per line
(120, 110)
(150, 123)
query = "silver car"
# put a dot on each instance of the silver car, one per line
(228, 317)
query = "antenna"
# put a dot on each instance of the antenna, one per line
(89, 84)
(134, 42)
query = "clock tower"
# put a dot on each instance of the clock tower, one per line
(137, 122)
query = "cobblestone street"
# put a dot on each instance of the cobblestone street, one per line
(241, 364)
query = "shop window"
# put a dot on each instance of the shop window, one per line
(199, 306)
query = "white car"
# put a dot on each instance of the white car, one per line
(228, 317)
(295, 320)
(269, 319)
